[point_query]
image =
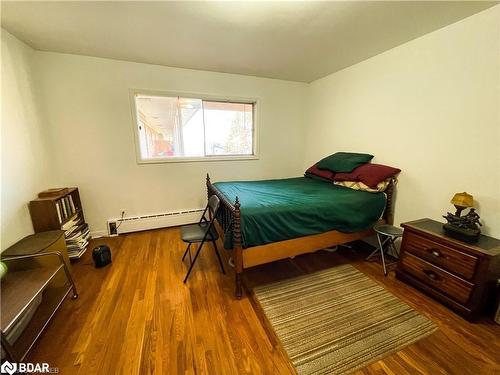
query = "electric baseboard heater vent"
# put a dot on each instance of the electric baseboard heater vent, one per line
(155, 221)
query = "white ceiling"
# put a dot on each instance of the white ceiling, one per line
(298, 41)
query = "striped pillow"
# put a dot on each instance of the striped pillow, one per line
(358, 185)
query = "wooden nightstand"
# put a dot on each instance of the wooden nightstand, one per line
(460, 275)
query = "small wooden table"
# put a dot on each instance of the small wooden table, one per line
(462, 276)
(39, 243)
(38, 266)
(52, 240)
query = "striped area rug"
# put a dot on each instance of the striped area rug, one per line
(338, 320)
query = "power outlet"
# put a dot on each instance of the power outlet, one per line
(112, 228)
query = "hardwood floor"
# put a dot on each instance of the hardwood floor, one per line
(137, 317)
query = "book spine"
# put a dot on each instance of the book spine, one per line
(68, 208)
(65, 209)
(72, 204)
(58, 209)
(61, 205)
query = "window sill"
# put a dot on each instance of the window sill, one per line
(198, 159)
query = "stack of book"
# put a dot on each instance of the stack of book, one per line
(77, 235)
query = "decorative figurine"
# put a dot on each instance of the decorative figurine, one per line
(464, 228)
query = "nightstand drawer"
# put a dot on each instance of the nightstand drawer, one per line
(441, 255)
(436, 277)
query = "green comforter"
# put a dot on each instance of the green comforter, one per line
(277, 210)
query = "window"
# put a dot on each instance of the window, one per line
(178, 128)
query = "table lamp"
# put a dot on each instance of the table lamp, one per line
(462, 201)
(464, 228)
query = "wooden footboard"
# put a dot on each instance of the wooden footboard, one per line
(229, 221)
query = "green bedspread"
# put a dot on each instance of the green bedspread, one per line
(276, 210)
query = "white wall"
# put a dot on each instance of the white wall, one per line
(24, 149)
(430, 107)
(89, 116)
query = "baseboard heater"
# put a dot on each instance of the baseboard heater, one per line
(155, 221)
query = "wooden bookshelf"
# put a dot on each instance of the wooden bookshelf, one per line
(59, 209)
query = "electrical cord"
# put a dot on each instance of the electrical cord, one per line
(120, 221)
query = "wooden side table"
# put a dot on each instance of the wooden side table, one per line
(460, 275)
(19, 289)
(39, 243)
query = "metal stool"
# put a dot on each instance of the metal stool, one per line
(391, 233)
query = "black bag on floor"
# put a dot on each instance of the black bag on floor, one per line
(101, 255)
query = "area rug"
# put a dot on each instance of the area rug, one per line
(338, 320)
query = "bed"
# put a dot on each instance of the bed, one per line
(264, 221)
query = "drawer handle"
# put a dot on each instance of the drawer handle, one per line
(432, 275)
(434, 252)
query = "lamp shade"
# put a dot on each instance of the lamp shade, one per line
(462, 200)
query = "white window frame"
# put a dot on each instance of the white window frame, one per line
(182, 159)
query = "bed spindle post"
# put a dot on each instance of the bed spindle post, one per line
(388, 215)
(238, 250)
(208, 186)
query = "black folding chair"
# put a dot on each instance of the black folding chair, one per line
(203, 231)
